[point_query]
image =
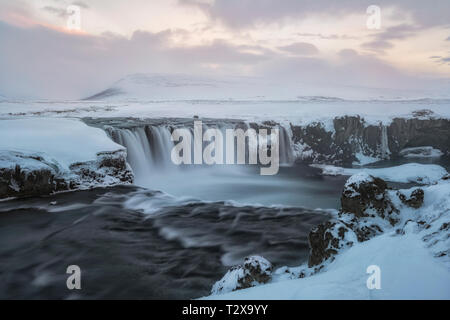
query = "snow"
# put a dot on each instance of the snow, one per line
(411, 262)
(59, 141)
(298, 112)
(406, 173)
(363, 159)
(163, 86)
(408, 271)
(358, 178)
(253, 268)
(421, 152)
(229, 282)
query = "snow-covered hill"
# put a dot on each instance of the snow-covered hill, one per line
(155, 87)
(182, 87)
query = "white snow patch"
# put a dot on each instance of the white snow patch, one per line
(421, 152)
(408, 271)
(406, 173)
(298, 112)
(61, 141)
(358, 178)
(363, 159)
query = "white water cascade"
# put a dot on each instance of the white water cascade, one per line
(149, 147)
(385, 152)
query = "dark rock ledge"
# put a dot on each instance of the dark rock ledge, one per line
(24, 175)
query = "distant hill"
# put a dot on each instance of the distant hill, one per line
(156, 87)
(181, 87)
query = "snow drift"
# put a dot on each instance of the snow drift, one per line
(41, 156)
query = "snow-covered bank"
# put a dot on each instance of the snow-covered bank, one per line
(68, 141)
(405, 233)
(406, 173)
(408, 271)
(421, 152)
(40, 156)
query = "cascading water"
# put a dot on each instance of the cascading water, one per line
(286, 147)
(149, 154)
(385, 152)
(149, 147)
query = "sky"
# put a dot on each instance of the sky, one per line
(315, 41)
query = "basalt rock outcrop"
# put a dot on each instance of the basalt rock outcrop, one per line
(367, 211)
(339, 141)
(349, 136)
(24, 175)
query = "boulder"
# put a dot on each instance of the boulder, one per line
(364, 201)
(363, 192)
(255, 270)
(414, 200)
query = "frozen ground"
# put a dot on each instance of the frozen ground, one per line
(66, 141)
(408, 271)
(295, 111)
(248, 98)
(406, 173)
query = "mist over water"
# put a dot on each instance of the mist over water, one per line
(149, 149)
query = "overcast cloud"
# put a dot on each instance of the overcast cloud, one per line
(40, 60)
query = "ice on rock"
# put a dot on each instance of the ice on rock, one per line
(42, 156)
(255, 270)
(406, 173)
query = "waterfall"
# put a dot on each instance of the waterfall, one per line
(385, 152)
(286, 149)
(149, 146)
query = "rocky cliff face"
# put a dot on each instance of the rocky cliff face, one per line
(416, 132)
(338, 143)
(23, 175)
(352, 135)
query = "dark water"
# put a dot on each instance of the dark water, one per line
(134, 243)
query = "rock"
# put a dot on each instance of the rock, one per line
(421, 152)
(423, 113)
(352, 135)
(19, 182)
(255, 270)
(418, 132)
(327, 239)
(364, 201)
(25, 175)
(415, 199)
(362, 192)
